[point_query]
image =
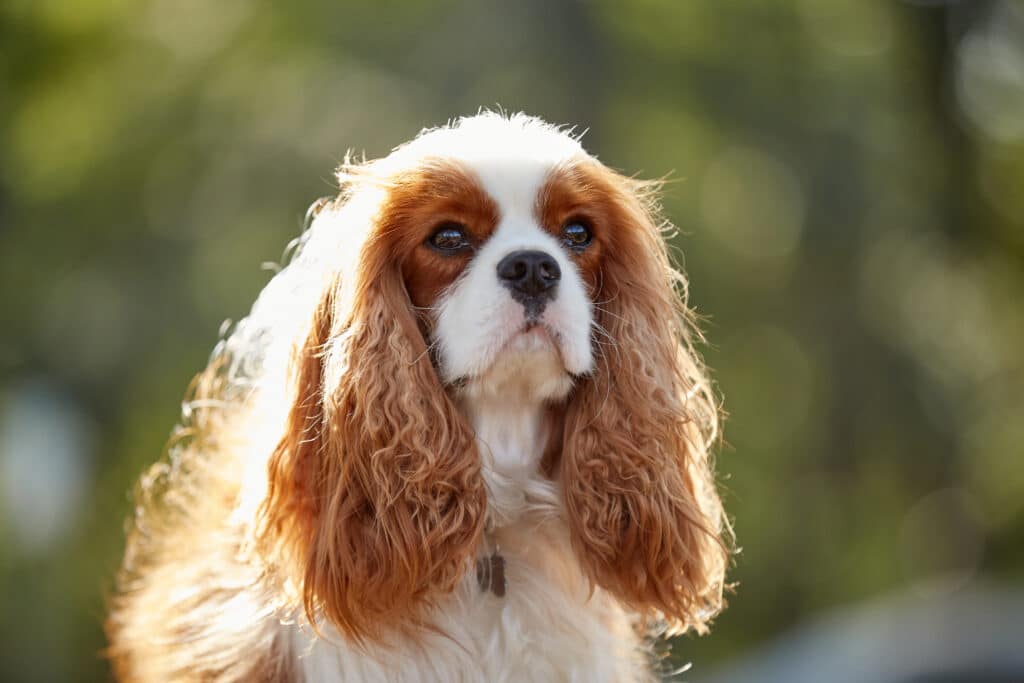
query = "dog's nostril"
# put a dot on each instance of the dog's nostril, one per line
(549, 270)
(530, 273)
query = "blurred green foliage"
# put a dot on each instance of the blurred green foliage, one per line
(849, 180)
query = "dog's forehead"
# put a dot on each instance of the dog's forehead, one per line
(512, 183)
(510, 156)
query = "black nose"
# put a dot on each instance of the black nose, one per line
(531, 275)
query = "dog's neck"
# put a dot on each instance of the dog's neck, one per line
(511, 437)
(508, 409)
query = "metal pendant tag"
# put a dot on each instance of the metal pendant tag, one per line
(490, 574)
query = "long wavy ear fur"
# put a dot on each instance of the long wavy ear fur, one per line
(376, 500)
(645, 517)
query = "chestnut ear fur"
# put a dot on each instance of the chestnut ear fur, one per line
(376, 501)
(644, 514)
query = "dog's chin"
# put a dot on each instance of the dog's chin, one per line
(529, 367)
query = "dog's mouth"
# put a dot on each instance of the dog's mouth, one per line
(532, 346)
(535, 335)
(534, 338)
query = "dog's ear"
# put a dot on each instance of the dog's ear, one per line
(376, 500)
(645, 517)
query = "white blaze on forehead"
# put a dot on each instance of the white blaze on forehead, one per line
(511, 156)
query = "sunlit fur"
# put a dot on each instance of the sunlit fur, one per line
(640, 494)
(385, 416)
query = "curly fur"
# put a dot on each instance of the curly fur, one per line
(639, 488)
(375, 498)
(321, 507)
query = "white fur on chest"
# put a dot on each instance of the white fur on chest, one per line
(544, 629)
(549, 626)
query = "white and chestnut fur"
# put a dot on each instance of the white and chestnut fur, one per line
(393, 411)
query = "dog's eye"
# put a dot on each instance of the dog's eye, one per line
(576, 234)
(449, 238)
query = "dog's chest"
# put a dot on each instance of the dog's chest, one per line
(546, 627)
(524, 611)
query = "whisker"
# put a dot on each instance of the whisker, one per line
(612, 341)
(609, 313)
(428, 349)
(597, 327)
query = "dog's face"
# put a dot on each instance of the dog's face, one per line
(502, 271)
(493, 258)
(500, 243)
(521, 300)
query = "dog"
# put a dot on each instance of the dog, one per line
(463, 435)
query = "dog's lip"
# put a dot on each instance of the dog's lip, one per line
(538, 328)
(543, 336)
(535, 327)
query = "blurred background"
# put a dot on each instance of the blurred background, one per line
(849, 181)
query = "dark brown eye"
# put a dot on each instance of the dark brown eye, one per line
(576, 235)
(449, 238)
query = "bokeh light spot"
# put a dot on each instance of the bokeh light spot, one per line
(754, 204)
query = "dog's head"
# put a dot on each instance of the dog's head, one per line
(492, 258)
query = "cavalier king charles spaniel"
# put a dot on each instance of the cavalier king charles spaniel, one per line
(463, 435)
